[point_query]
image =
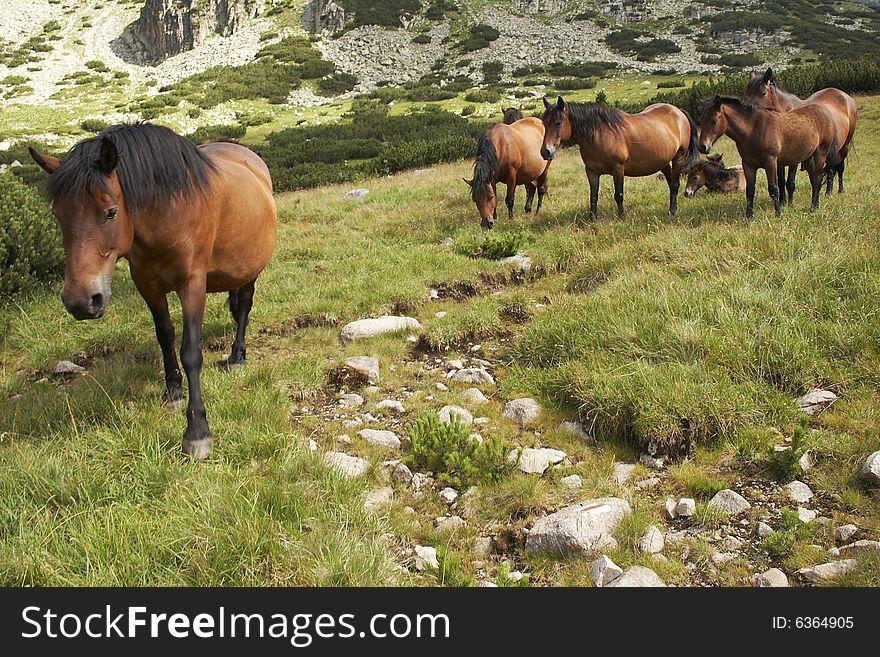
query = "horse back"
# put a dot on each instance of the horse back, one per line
(519, 148)
(654, 137)
(842, 106)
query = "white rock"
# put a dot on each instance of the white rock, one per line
(343, 439)
(476, 375)
(474, 396)
(832, 553)
(441, 314)
(520, 261)
(350, 466)
(449, 522)
(798, 491)
(826, 572)
(654, 463)
(352, 423)
(859, 547)
(721, 558)
(637, 576)
(483, 545)
(686, 507)
(464, 416)
(763, 530)
(525, 411)
(351, 400)
(578, 430)
(807, 461)
(669, 509)
(651, 541)
(815, 400)
(805, 515)
(488, 585)
(380, 437)
(442, 387)
(378, 498)
(449, 495)
(582, 528)
(870, 470)
(623, 472)
(401, 475)
(455, 364)
(367, 328)
(366, 365)
(476, 437)
(426, 558)
(770, 578)
(844, 533)
(572, 482)
(535, 460)
(66, 367)
(391, 405)
(355, 194)
(729, 502)
(603, 571)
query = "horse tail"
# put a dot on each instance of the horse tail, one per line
(692, 147)
(832, 161)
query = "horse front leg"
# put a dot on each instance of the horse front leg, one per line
(790, 183)
(531, 188)
(158, 303)
(618, 192)
(749, 173)
(772, 170)
(593, 179)
(510, 197)
(815, 173)
(197, 440)
(673, 179)
(780, 183)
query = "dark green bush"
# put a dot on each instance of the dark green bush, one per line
(94, 125)
(378, 12)
(483, 96)
(480, 37)
(421, 39)
(218, 133)
(570, 84)
(30, 242)
(338, 83)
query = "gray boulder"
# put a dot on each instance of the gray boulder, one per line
(475, 375)
(770, 578)
(580, 529)
(368, 328)
(536, 460)
(380, 437)
(524, 411)
(798, 491)
(464, 416)
(870, 470)
(603, 571)
(365, 365)
(815, 400)
(824, 573)
(637, 576)
(350, 466)
(729, 502)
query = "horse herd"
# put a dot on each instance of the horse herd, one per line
(773, 130)
(196, 219)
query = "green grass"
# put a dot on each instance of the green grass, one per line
(636, 325)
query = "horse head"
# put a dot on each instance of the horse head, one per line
(713, 124)
(557, 127)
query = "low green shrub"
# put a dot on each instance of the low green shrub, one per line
(208, 133)
(493, 245)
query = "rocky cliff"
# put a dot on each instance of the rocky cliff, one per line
(167, 27)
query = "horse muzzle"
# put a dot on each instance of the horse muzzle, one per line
(547, 154)
(704, 149)
(688, 193)
(487, 224)
(87, 307)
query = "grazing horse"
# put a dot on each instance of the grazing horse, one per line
(512, 115)
(660, 138)
(510, 154)
(714, 176)
(767, 139)
(765, 90)
(188, 219)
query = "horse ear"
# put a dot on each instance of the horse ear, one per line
(768, 74)
(546, 104)
(717, 100)
(47, 163)
(109, 157)
(560, 103)
(715, 157)
(470, 183)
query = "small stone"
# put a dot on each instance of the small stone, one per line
(623, 472)
(442, 387)
(474, 396)
(441, 314)
(870, 470)
(578, 430)
(455, 364)
(535, 461)
(351, 400)
(426, 558)
(827, 572)
(449, 495)
(859, 547)
(571, 482)
(807, 461)
(815, 400)
(770, 578)
(798, 491)
(844, 533)
(669, 509)
(352, 423)
(805, 515)
(488, 585)
(483, 545)
(401, 475)
(367, 328)
(313, 446)
(637, 576)
(391, 406)
(350, 466)
(654, 463)
(721, 558)
(729, 502)
(763, 530)
(651, 541)
(449, 522)
(519, 261)
(524, 411)
(648, 483)
(378, 498)
(474, 375)
(832, 553)
(464, 416)
(367, 366)
(604, 571)
(355, 194)
(686, 507)
(67, 367)
(476, 437)
(343, 439)
(380, 437)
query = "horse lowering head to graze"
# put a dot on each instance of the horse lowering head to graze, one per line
(714, 176)
(512, 115)
(660, 138)
(509, 154)
(188, 219)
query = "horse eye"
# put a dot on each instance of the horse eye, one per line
(111, 214)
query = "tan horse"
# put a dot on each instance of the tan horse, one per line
(767, 139)
(766, 91)
(714, 176)
(660, 138)
(510, 154)
(188, 220)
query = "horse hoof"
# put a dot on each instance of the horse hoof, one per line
(175, 404)
(200, 449)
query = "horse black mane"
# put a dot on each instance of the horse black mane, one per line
(716, 169)
(486, 165)
(753, 86)
(586, 118)
(155, 165)
(743, 103)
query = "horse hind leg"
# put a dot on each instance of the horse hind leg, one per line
(510, 198)
(674, 183)
(840, 168)
(790, 183)
(618, 193)
(780, 178)
(244, 302)
(531, 188)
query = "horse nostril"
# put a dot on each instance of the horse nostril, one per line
(97, 303)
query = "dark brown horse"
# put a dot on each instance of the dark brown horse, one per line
(714, 176)
(188, 219)
(512, 115)
(510, 154)
(660, 138)
(767, 139)
(764, 90)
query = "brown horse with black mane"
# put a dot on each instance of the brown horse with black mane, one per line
(660, 138)
(188, 219)
(512, 115)
(767, 139)
(510, 154)
(763, 89)
(714, 176)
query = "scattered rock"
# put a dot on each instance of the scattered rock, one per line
(476, 375)
(859, 547)
(807, 461)
(426, 558)
(355, 194)
(870, 470)
(731, 544)
(815, 400)
(488, 585)
(367, 366)
(380, 437)
(648, 483)
(378, 498)
(351, 400)
(763, 530)
(454, 364)
(520, 261)
(67, 367)
(798, 491)
(367, 328)
(729, 502)
(474, 396)
(524, 411)
(578, 430)
(844, 533)
(449, 495)
(483, 545)
(651, 541)
(350, 466)
(637, 576)
(655, 463)
(805, 515)
(582, 528)
(352, 423)
(721, 558)
(401, 475)
(604, 571)
(391, 406)
(623, 472)
(669, 509)
(442, 387)
(572, 482)
(449, 522)
(685, 508)
(827, 572)
(464, 416)
(770, 578)
(535, 460)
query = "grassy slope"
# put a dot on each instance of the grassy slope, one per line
(648, 315)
